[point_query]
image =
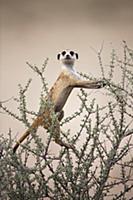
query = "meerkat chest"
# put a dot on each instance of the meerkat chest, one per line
(60, 91)
(72, 73)
(62, 98)
(62, 88)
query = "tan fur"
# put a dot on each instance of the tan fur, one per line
(57, 96)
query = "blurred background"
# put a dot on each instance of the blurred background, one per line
(34, 30)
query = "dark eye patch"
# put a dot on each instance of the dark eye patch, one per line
(72, 53)
(63, 53)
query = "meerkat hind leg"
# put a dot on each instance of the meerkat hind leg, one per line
(56, 133)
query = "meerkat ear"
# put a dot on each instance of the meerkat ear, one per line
(58, 56)
(77, 56)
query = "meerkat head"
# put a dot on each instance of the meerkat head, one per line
(67, 57)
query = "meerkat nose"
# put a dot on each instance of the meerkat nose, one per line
(68, 57)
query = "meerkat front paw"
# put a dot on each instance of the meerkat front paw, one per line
(101, 84)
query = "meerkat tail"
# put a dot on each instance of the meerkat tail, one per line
(24, 136)
(33, 127)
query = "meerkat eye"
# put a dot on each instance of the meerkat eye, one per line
(63, 53)
(72, 53)
(77, 56)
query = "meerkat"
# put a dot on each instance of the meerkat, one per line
(58, 95)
